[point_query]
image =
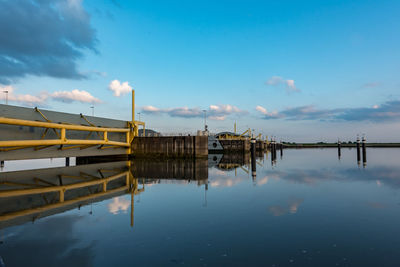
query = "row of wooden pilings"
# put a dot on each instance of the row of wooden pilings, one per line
(361, 148)
(273, 146)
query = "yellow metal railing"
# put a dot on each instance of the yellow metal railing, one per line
(60, 129)
(63, 140)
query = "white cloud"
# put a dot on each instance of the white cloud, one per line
(27, 99)
(41, 98)
(274, 80)
(74, 95)
(214, 112)
(185, 112)
(291, 86)
(224, 109)
(262, 110)
(119, 88)
(150, 109)
(217, 118)
(288, 84)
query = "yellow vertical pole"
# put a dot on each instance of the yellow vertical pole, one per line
(234, 128)
(63, 134)
(104, 186)
(62, 195)
(133, 106)
(132, 207)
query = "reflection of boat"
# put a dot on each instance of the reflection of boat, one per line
(233, 161)
(214, 159)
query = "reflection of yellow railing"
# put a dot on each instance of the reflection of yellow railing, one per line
(131, 186)
(13, 215)
(62, 188)
(62, 140)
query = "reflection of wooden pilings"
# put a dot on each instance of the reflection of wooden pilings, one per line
(364, 152)
(358, 151)
(273, 151)
(133, 185)
(132, 207)
(253, 158)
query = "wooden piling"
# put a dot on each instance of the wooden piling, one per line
(253, 158)
(364, 152)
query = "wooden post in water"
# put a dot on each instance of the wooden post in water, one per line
(273, 151)
(271, 144)
(281, 147)
(339, 144)
(364, 151)
(253, 158)
(358, 151)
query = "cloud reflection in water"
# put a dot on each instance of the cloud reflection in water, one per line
(119, 204)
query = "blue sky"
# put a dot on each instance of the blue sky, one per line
(299, 70)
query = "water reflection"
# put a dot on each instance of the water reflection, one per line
(119, 204)
(32, 194)
(307, 209)
(62, 247)
(291, 207)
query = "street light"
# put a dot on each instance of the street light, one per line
(92, 107)
(6, 92)
(139, 115)
(205, 120)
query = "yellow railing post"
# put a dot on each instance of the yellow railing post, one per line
(62, 195)
(133, 112)
(63, 135)
(105, 186)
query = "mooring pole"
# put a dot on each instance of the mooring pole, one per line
(135, 127)
(253, 157)
(281, 149)
(133, 105)
(339, 145)
(364, 151)
(273, 151)
(358, 150)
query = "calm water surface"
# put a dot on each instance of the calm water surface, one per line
(307, 209)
